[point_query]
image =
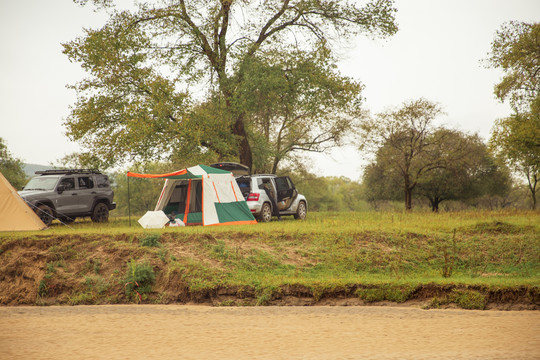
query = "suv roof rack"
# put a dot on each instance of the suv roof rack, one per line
(68, 172)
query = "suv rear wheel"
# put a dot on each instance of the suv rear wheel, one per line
(266, 213)
(301, 211)
(100, 213)
(45, 213)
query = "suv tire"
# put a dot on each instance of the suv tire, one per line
(45, 213)
(266, 213)
(301, 211)
(100, 213)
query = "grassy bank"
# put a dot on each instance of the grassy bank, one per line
(469, 259)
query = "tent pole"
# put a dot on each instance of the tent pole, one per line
(129, 203)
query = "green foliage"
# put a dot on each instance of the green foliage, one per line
(297, 101)
(42, 288)
(413, 157)
(385, 256)
(150, 240)
(220, 251)
(515, 50)
(464, 298)
(328, 193)
(83, 298)
(11, 167)
(394, 293)
(135, 103)
(516, 139)
(402, 140)
(470, 173)
(139, 278)
(143, 193)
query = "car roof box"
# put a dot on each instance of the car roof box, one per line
(235, 168)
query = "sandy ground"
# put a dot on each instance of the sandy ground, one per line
(320, 332)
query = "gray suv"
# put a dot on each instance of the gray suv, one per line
(68, 194)
(288, 200)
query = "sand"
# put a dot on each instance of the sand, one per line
(318, 332)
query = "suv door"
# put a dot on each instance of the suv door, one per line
(286, 192)
(86, 193)
(66, 201)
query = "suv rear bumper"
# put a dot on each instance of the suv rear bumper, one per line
(254, 207)
(112, 206)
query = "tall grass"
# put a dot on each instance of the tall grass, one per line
(389, 254)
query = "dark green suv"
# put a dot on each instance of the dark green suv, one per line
(68, 194)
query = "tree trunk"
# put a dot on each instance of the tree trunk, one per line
(245, 155)
(408, 192)
(435, 204)
(533, 181)
(408, 199)
(244, 151)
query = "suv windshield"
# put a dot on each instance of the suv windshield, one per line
(41, 183)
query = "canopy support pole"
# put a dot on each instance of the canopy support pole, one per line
(129, 203)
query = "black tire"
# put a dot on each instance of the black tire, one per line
(45, 213)
(301, 211)
(266, 213)
(100, 213)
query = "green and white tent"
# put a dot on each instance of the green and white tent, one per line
(202, 195)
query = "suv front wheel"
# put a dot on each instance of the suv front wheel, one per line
(45, 214)
(100, 213)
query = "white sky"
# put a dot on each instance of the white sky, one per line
(436, 54)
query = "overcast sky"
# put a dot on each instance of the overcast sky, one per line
(436, 54)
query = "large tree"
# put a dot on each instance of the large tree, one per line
(460, 167)
(143, 64)
(11, 167)
(297, 102)
(516, 50)
(516, 139)
(471, 173)
(402, 139)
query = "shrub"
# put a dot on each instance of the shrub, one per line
(139, 278)
(469, 299)
(150, 240)
(394, 293)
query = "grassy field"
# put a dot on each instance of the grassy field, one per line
(468, 259)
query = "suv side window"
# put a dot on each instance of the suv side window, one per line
(86, 182)
(68, 183)
(283, 183)
(102, 181)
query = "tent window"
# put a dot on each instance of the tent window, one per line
(177, 202)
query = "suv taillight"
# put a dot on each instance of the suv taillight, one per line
(253, 197)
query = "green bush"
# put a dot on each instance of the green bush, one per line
(397, 294)
(150, 240)
(468, 299)
(139, 278)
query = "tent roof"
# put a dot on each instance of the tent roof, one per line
(15, 214)
(195, 172)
